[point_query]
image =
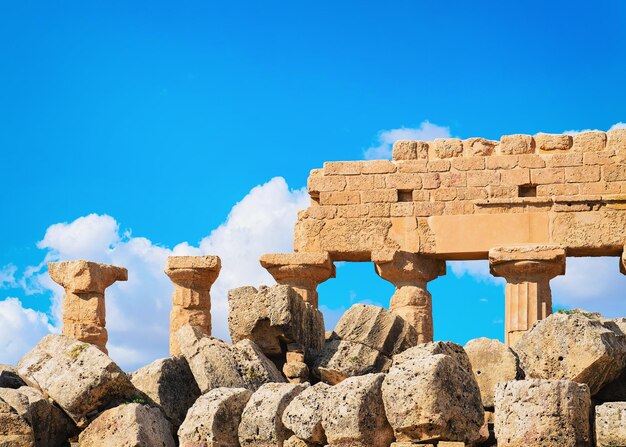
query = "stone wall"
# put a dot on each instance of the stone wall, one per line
(457, 199)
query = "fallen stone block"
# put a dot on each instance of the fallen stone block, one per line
(377, 328)
(128, 425)
(15, 431)
(255, 368)
(261, 422)
(423, 350)
(572, 347)
(294, 441)
(214, 419)
(296, 372)
(341, 359)
(303, 416)
(79, 377)
(354, 414)
(273, 317)
(170, 384)
(611, 424)
(9, 378)
(492, 362)
(547, 413)
(433, 398)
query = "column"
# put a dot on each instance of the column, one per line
(302, 271)
(622, 263)
(528, 270)
(83, 309)
(193, 277)
(410, 272)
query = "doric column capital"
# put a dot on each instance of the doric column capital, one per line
(527, 262)
(299, 269)
(193, 271)
(404, 268)
(85, 276)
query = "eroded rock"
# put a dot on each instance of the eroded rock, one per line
(15, 431)
(341, 359)
(610, 425)
(303, 416)
(9, 378)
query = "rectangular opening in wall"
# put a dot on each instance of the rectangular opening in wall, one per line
(527, 191)
(405, 195)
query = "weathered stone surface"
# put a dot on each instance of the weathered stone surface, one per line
(423, 350)
(433, 398)
(273, 317)
(341, 359)
(50, 426)
(128, 425)
(354, 414)
(492, 362)
(610, 424)
(9, 378)
(15, 431)
(170, 384)
(296, 372)
(214, 419)
(377, 328)
(79, 377)
(294, 441)
(615, 390)
(547, 413)
(572, 347)
(303, 416)
(216, 364)
(261, 422)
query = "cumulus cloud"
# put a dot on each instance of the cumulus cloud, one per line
(138, 310)
(479, 270)
(7, 276)
(425, 132)
(20, 329)
(619, 125)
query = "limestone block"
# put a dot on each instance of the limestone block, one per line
(610, 424)
(354, 413)
(9, 378)
(318, 183)
(342, 167)
(50, 426)
(296, 372)
(479, 147)
(79, 377)
(483, 178)
(341, 359)
(303, 416)
(410, 150)
(340, 198)
(516, 144)
(589, 141)
(424, 350)
(294, 441)
(447, 147)
(553, 142)
(377, 328)
(433, 398)
(378, 167)
(128, 425)
(214, 419)
(572, 347)
(261, 421)
(85, 276)
(273, 317)
(170, 384)
(492, 362)
(547, 176)
(15, 431)
(255, 368)
(546, 413)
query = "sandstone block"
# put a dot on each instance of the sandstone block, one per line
(303, 416)
(492, 362)
(319, 183)
(589, 141)
(15, 431)
(9, 378)
(547, 176)
(213, 420)
(547, 413)
(378, 167)
(79, 377)
(424, 350)
(516, 144)
(610, 424)
(273, 317)
(553, 142)
(376, 328)
(479, 147)
(447, 147)
(294, 441)
(354, 413)
(582, 174)
(255, 368)
(483, 178)
(341, 359)
(438, 166)
(468, 163)
(572, 347)
(403, 181)
(433, 398)
(519, 176)
(431, 180)
(410, 150)
(170, 384)
(50, 426)
(128, 425)
(342, 167)
(261, 421)
(296, 372)
(380, 196)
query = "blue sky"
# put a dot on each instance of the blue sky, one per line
(163, 116)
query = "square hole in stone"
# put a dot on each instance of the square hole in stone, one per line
(405, 195)
(527, 191)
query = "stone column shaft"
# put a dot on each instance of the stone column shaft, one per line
(83, 308)
(192, 277)
(410, 272)
(302, 271)
(528, 271)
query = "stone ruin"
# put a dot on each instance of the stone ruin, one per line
(377, 379)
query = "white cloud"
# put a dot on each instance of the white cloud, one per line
(7, 276)
(138, 310)
(20, 329)
(478, 270)
(425, 132)
(619, 125)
